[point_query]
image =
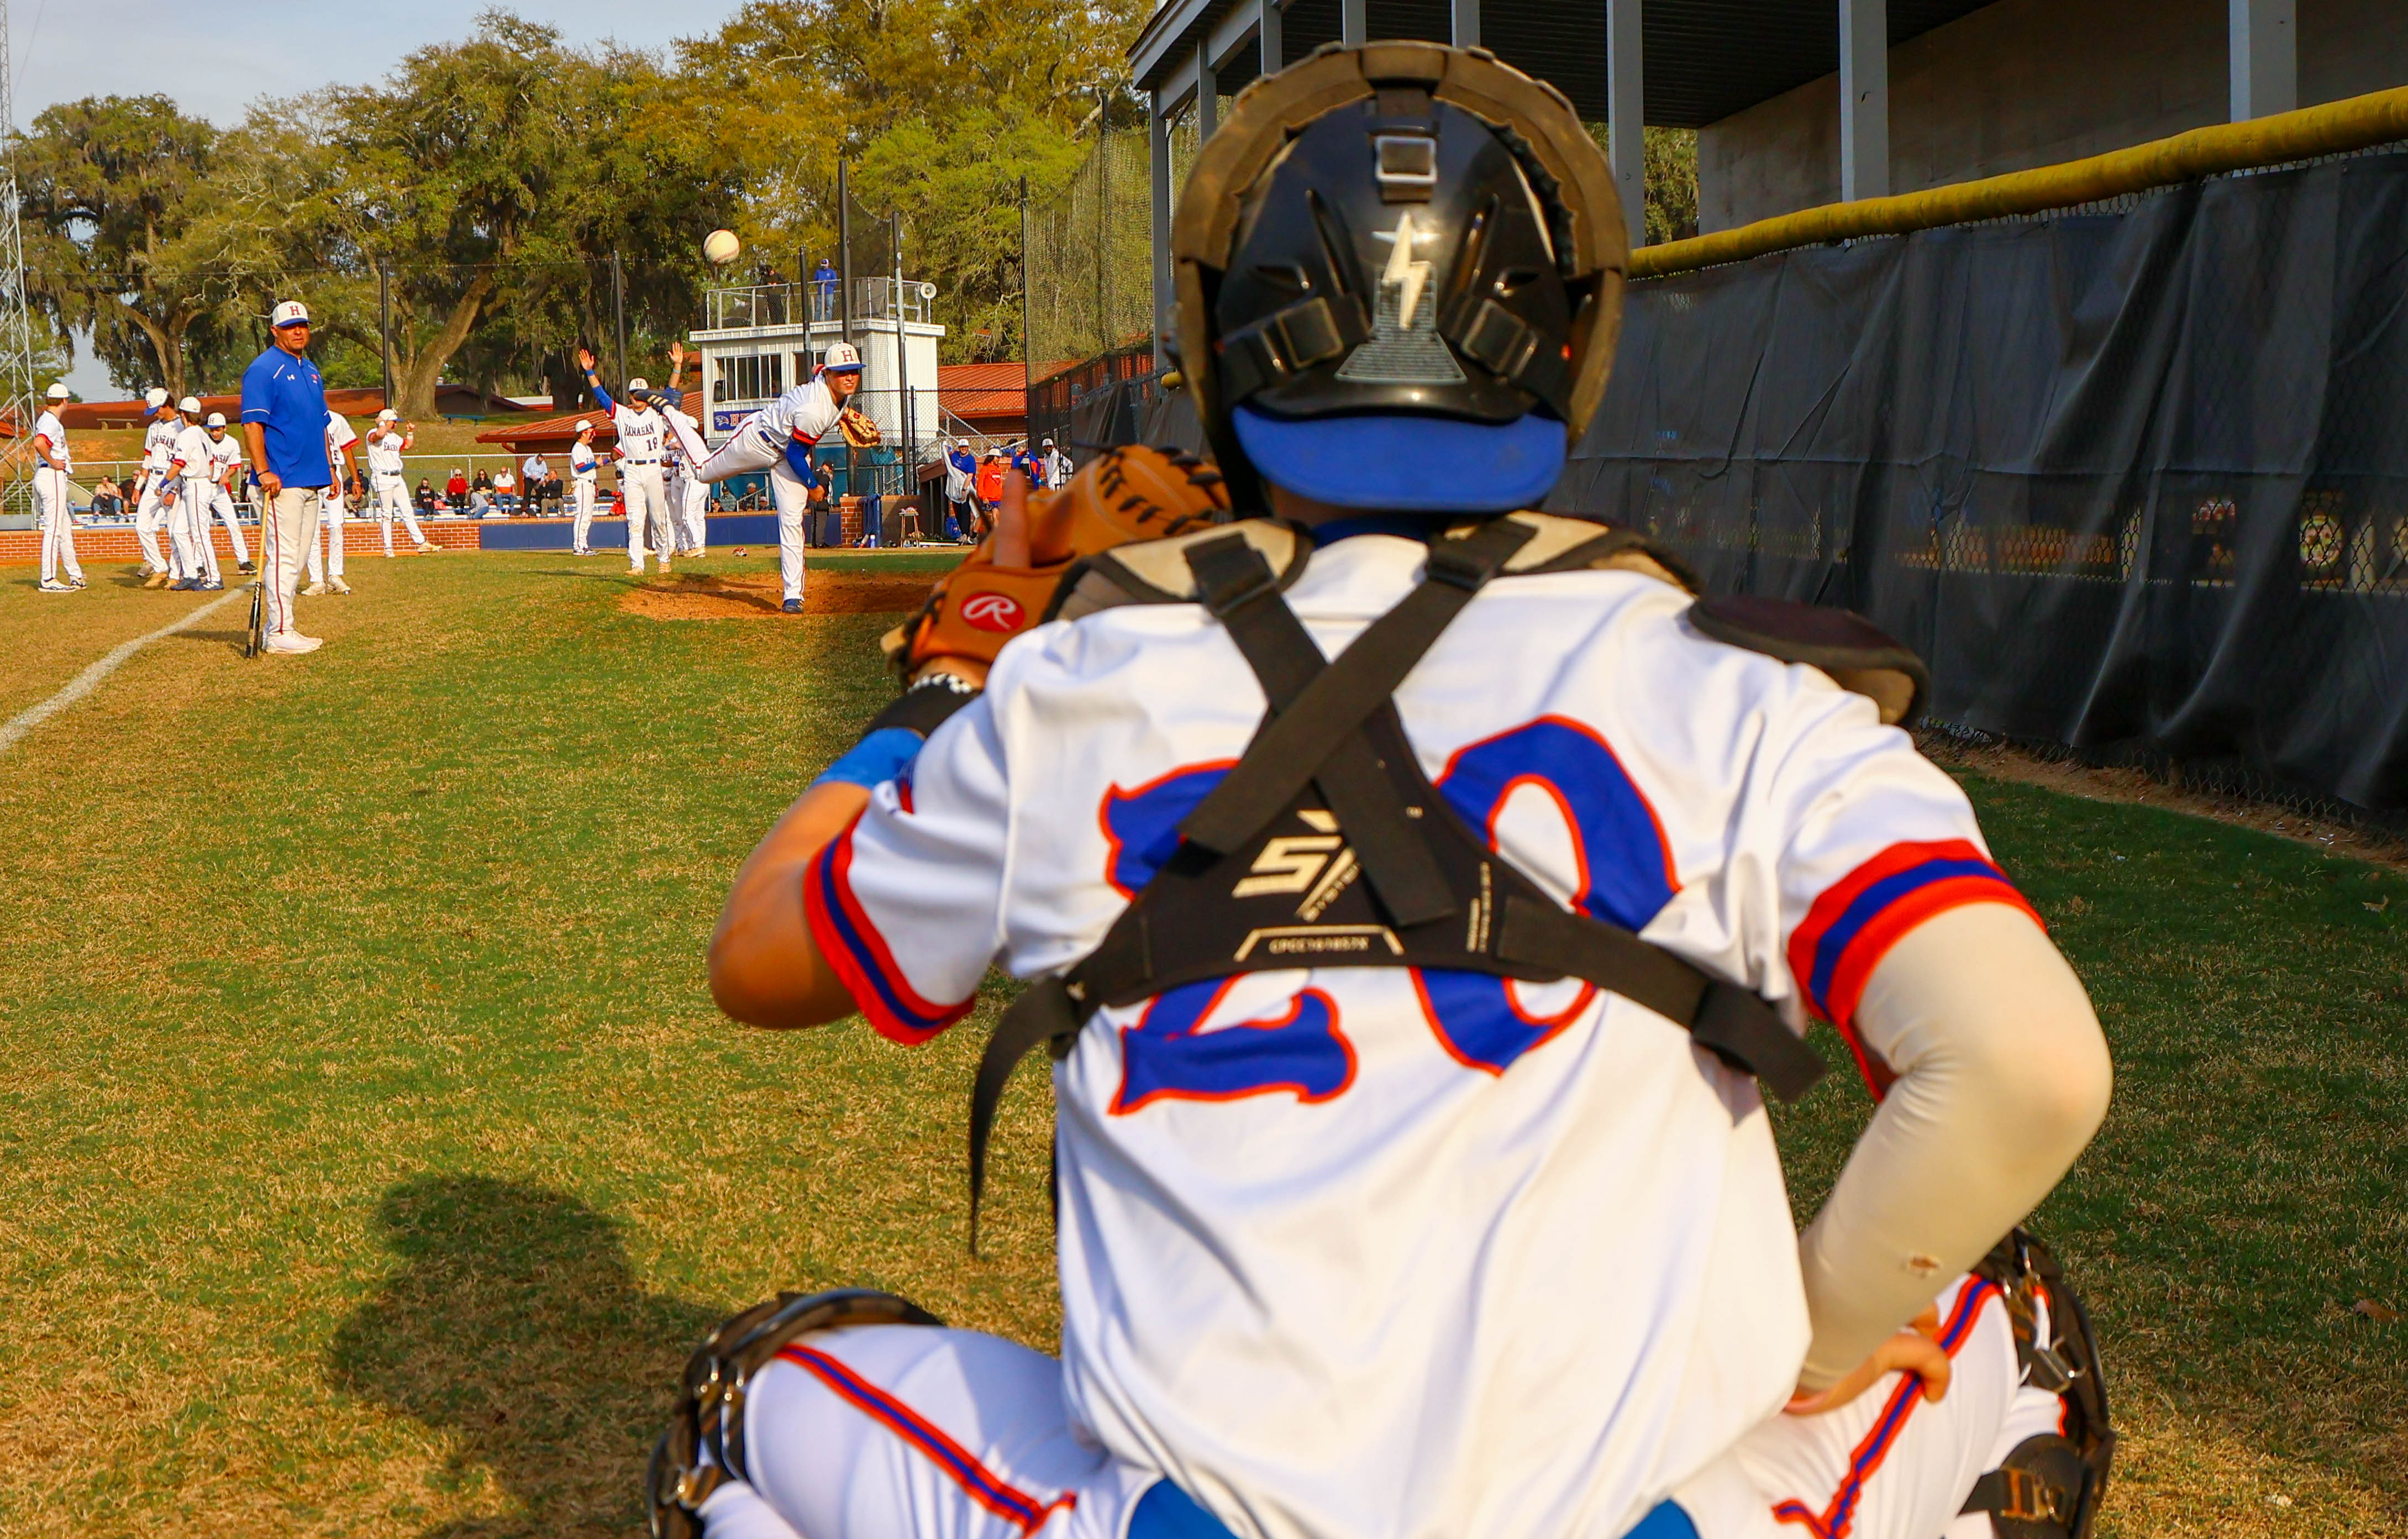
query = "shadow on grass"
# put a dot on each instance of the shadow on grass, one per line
(513, 1323)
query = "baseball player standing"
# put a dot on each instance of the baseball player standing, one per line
(779, 438)
(1055, 466)
(388, 486)
(643, 442)
(284, 422)
(1445, 885)
(187, 495)
(584, 468)
(342, 471)
(51, 468)
(225, 462)
(149, 515)
(688, 498)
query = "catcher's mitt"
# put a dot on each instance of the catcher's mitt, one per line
(1121, 495)
(858, 430)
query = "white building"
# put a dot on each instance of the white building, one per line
(756, 342)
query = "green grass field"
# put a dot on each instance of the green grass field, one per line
(370, 1153)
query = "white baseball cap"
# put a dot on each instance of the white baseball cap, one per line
(287, 312)
(1049, 443)
(584, 426)
(388, 415)
(217, 419)
(190, 406)
(842, 358)
(154, 397)
(59, 392)
(637, 386)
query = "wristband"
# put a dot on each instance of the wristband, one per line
(895, 734)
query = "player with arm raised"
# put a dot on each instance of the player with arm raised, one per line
(1419, 897)
(643, 445)
(779, 438)
(61, 571)
(343, 468)
(689, 497)
(388, 483)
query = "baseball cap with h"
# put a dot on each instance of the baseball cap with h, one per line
(842, 358)
(289, 312)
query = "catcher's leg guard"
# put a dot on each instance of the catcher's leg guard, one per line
(710, 1416)
(2049, 1486)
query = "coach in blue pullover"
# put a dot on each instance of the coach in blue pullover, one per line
(284, 425)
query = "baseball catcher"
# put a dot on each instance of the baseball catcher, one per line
(1419, 897)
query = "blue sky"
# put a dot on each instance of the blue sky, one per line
(216, 60)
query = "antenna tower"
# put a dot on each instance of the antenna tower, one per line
(17, 392)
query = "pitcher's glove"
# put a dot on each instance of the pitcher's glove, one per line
(1121, 494)
(858, 430)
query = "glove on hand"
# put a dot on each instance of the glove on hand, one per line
(1123, 494)
(858, 430)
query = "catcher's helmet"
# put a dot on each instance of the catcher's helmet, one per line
(1399, 280)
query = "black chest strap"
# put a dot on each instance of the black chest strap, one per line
(1332, 756)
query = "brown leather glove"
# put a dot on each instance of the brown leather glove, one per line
(1121, 494)
(858, 429)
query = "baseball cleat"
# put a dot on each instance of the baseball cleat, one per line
(181, 584)
(54, 587)
(78, 583)
(209, 587)
(156, 579)
(313, 590)
(292, 642)
(246, 568)
(794, 606)
(337, 584)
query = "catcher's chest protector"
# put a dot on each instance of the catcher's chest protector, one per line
(1326, 845)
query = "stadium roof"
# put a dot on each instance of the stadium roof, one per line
(1704, 59)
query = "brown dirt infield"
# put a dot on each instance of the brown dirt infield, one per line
(707, 595)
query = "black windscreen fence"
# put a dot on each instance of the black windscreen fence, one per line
(2134, 481)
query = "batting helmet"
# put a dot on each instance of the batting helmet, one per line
(1394, 255)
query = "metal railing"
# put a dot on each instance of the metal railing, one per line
(756, 305)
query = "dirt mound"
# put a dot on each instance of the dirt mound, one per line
(707, 595)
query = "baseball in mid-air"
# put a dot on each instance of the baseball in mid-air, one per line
(721, 246)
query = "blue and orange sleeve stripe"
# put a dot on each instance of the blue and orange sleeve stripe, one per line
(1851, 928)
(863, 960)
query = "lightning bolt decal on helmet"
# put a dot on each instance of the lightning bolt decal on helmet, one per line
(1399, 281)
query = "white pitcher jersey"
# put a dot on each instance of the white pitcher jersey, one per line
(1355, 1252)
(189, 457)
(641, 434)
(53, 434)
(804, 413)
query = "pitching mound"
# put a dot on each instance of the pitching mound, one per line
(706, 596)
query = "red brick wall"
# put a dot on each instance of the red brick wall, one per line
(116, 542)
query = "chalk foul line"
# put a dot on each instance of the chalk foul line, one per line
(85, 682)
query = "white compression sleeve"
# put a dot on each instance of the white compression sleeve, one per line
(2002, 1077)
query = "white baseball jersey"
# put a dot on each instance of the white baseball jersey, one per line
(1358, 1252)
(583, 466)
(53, 433)
(384, 452)
(159, 443)
(225, 458)
(640, 433)
(189, 457)
(804, 413)
(672, 419)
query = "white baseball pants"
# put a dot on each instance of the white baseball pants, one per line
(750, 451)
(392, 502)
(896, 1431)
(691, 500)
(287, 528)
(648, 513)
(149, 520)
(220, 506)
(187, 532)
(58, 525)
(333, 519)
(581, 533)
